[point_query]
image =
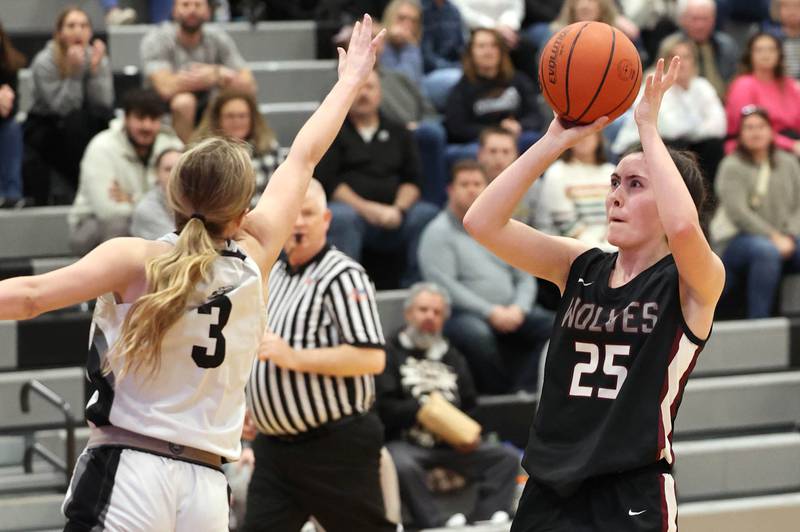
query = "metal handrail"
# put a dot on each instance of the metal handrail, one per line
(56, 400)
(40, 450)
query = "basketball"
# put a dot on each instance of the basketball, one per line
(588, 70)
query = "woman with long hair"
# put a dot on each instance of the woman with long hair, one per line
(763, 82)
(177, 325)
(491, 93)
(759, 195)
(234, 113)
(73, 96)
(10, 131)
(628, 330)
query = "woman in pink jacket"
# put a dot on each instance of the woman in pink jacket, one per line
(763, 83)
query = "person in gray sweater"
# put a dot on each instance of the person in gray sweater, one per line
(758, 187)
(73, 95)
(494, 323)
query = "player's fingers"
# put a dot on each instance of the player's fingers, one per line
(378, 38)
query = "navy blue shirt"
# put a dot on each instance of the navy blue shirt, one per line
(442, 35)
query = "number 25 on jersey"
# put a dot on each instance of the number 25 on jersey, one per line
(610, 352)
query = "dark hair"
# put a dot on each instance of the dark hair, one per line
(143, 102)
(746, 62)
(689, 168)
(599, 152)
(11, 59)
(506, 72)
(466, 165)
(495, 130)
(743, 153)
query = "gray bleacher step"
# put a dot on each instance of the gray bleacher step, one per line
(773, 513)
(293, 81)
(66, 382)
(12, 448)
(31, 512)
(739, 403)
(34, 232)
(286, 119)
(746, 346)
(43, 478)
(390, 309)
(737, 466)
(274, 41)
(29, 16)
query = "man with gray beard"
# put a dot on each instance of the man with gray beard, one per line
(420, 362)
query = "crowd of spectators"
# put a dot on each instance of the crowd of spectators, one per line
(456, 82)
(452, 103)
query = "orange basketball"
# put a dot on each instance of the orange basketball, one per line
(588, 70)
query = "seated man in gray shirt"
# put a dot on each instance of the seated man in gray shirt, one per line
(186, 62)
(494, 321)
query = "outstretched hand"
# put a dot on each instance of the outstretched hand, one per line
(656, 84)
(356, 63)
(569, 135)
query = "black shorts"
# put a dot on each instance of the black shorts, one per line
(642, 501)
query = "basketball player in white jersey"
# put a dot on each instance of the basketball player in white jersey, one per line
(177, 324)
(628, 331)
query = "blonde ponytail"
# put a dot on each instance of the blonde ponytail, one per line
(214, 178)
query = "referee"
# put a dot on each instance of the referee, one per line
(311, 391)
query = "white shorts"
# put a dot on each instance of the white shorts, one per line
(123, 490)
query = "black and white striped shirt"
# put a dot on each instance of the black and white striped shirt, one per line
(327, 302)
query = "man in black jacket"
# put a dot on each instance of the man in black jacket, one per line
(420, 362)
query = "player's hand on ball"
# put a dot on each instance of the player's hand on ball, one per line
(275, 348)
(656, 84)
(568, 135)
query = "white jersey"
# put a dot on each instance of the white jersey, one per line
(196, 398)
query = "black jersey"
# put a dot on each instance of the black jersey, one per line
(616, 368)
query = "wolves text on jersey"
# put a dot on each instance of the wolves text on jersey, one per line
(634, 318)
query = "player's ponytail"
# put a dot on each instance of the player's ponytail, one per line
(210, 188)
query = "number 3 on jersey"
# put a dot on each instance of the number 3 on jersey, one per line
(200, 353)
(593, 350)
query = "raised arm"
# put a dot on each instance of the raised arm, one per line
(489, 219)
(270, 222)
(702, 275)
(110, 267)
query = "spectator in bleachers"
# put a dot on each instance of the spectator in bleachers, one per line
(11, 60)
(187, 62)
(574, 191)
(691, 117)
(591, 10)
(117, 169)
(504, 17)
(758, 221)
(372, 178)
(490, 93)
(494, 323)
(157, 11)
(401, 51)
(73, 95)
(234, 113)
(442, 46)
(402, 101)
(718, 52)
(152, 217)
(420, 365)
(497, 149)
(655, 21)
(786, 14)
(763, 83)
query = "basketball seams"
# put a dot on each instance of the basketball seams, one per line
(566, 73)
(605, 75)
(636, 83)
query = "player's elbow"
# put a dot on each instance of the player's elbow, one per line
(474, 225)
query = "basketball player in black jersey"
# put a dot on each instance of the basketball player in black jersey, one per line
(628, 331)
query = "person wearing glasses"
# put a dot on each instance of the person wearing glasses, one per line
(758, 218)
